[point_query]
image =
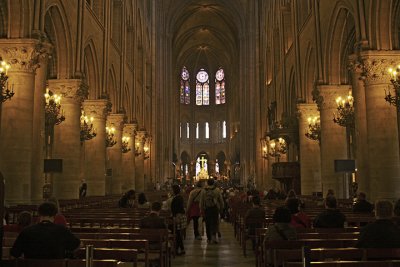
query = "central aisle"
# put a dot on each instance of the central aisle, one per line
(226, 253)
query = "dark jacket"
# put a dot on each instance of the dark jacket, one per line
(44, 240)
(255, 213)
(153, 221)
(177, 205)
(330, 219)
(379, 234)
(363, 206)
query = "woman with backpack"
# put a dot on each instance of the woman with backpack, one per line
(211, 203)
(193, 209)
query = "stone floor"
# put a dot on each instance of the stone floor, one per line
(226, 253)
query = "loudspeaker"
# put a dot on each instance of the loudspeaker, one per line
(53, 165)
(345, 165)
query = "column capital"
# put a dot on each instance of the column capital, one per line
(307, 110)
(116, 120)
(23, 54)
(130, 129)
(355, 64)
(141, 136)
(376, 65)
(69, 88)
(329, 93)
(95, 108)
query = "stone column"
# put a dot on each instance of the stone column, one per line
(361, 149)
(95, 149)
(128, 158)
(333, 139)
(16, 142)
(114, 153)
(67, 145)
(310, 156)
(139, 161)
(38, 124)
(382, 126)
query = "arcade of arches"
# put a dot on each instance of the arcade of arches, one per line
(156, 90)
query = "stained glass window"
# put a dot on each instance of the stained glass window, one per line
(224, 129)
(202, 88)
(187, 130)
(197, 130)
(207, 131)
(184, 90)
(220, 87)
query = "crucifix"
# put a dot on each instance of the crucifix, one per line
(202, 162)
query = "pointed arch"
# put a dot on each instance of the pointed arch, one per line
(309, 74)
(57, 31)
(91, 68)
(112, 88)
(339, 45)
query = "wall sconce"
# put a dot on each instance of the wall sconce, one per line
(87, 131)
(110, 140)
(345, 111)
(146, 151)
(137, 149)
(6, 93)
(314, 129)
(395, 80)
(125, 144)
(53, 113)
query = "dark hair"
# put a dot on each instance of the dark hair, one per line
(47, 209)
(331, 202)
(282, 215)
(293, 205)
(156, 206)
(176, 189)
(142, 198)
(210, 181)
(291, 194)
(24, 218)
(256, 200)
(199, 184)
(130, 193)
(361, 195)
(383, 209)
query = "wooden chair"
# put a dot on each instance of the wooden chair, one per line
(40, 263)
(253, 224)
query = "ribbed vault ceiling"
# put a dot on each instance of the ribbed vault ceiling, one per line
(205, 34)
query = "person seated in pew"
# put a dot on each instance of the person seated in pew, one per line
(127, 200)
(282, 229)
(383, 233)
(24, 219)
(153, 220)
(59, 218)
(142, 202)
(255, 213)
(45, 240)
(362, 205)
(299, 218)
(331, 217)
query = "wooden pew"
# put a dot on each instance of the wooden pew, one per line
(40, 263)
(96, 263)
(348, 264)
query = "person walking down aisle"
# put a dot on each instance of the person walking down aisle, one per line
(211, 203)
(193, 209)
(178, 212)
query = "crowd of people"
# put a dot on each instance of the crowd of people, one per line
(48, 237)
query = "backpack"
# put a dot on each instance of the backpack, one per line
(209, 198)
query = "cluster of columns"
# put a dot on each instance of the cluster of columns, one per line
(22, 134)
(376, 132)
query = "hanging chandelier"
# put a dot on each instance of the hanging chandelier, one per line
(6, 93)
(345, 111)
(395, 80)
(87, 131)
(125, 144)
(53, 112)
(314, 129)
(110, 139)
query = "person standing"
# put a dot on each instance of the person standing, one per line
(83, 189)
(193, 209)
(211, 203)
(179, 215)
